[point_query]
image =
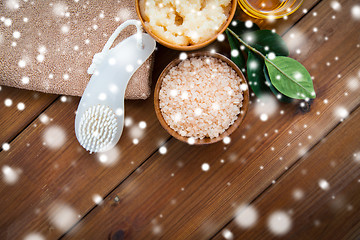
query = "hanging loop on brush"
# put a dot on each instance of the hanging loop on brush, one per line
(99, 57)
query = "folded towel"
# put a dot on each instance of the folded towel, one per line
(48, 45)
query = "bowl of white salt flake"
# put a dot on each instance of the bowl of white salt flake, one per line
(201, 99)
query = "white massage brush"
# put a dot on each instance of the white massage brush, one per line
(100, 115)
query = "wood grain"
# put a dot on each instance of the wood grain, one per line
(57, 178)
(54, 169)
(315, 213)
(12, 120)
(60, 173)
(171, 197)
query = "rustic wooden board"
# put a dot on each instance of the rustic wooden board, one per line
(63, 172)
(169, 195)
(12, 120)
(314, 213)
(60, 173)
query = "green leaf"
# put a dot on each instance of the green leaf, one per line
(239, 60)
(239, 29)
(256, 77)
(266, 38)
(255, 73)
(264, 41)
(290, 77)
(278, 94)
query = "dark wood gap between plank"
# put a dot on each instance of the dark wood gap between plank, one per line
(31, 122)
(284, 172)
(112, 190)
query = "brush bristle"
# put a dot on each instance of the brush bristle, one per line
(97, 128)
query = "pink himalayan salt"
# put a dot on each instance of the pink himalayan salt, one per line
(201, 97)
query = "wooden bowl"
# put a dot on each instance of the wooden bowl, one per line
(231, 129)
(189, 47)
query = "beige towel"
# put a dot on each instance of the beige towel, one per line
(48, 45)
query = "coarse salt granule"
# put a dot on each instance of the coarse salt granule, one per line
(213, 97)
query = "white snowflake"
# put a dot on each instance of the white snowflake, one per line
(97, 199)
(157, 229)
(7, 22)
(136, 132)
(266, 106)
(253, 64)
(60, 9)
(65, 29)
(20, 106)
(205, 167)
(129, 68)
(235, 53)
(272, 56)
(221, 37)
(335, 5)
(34, 236)
(191, 141)
(22, 63)
(298, 194)
(248, 24)
(16, 34)
(357, 157)
(142, 124)
(323, 184)
(62, 216)
(12, 4)
(227, 234)
(54, 137)
(279, 223)
(246, 216)
(10, 175)
(341, 112)
(128, 121)
(40, 58)
(8, 102)
(183, 56)
(102, 96)
(25, 80)
(355, 12)
(123, 15)
(163, 150)
(109, 158)
(119, 111)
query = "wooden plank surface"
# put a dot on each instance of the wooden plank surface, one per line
(313, 212)
(53, 168)
(61, 172)
(151, 200)
(171, 197)
(15, 117)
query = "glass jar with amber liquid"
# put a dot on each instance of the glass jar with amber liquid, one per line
(269, 9)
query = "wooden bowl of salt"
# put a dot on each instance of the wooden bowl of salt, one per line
(199, 112)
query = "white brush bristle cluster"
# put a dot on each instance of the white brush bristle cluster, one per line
(97, 128)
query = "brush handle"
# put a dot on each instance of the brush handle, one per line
(108, 83)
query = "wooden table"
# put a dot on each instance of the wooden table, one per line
(295, 176)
